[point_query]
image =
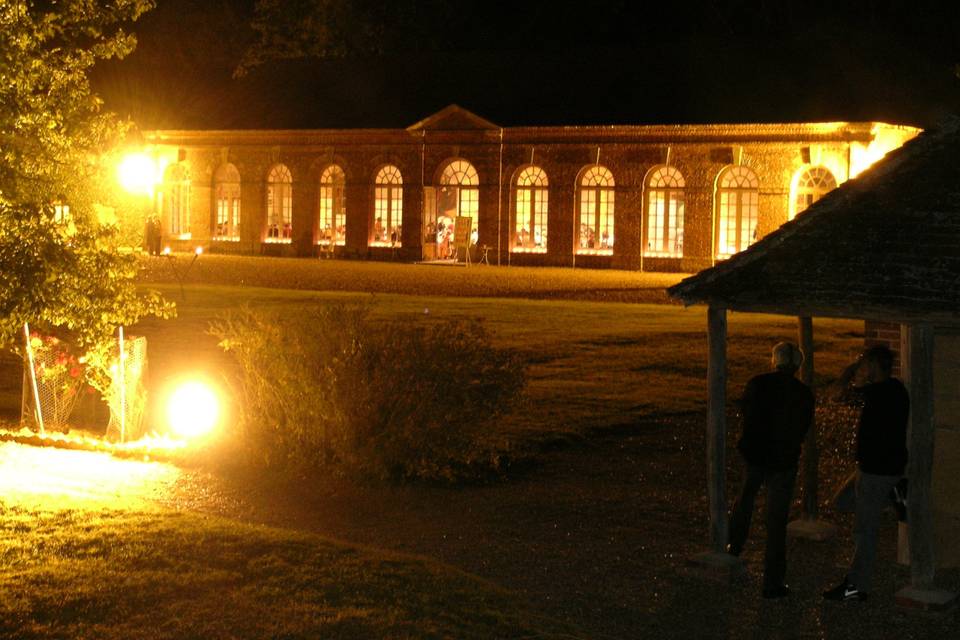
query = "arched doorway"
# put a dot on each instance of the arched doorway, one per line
(457, 195)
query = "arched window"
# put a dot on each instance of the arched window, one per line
(333, 206)
(596, 211)
(811, 185)
(174, 202)
(664, 212)
(226, 193)
(738, 198)
(279, 204)
(457, 196)
(388, 207)
(530, 219)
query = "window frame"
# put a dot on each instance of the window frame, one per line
(812, 189)
(461, 177)
(531, 191)
(388, 203)
(279, 205)
(332, 206)
(666, 185)
(174, 202)
(738, 190)
(226, 204)
(596, 203)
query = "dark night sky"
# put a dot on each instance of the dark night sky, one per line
(547, 63)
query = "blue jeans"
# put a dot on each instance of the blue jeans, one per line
(779, 496)
(873, 495)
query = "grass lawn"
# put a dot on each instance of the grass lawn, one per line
(606, 285)
(90, 560)
(592, 365)
(593, 538)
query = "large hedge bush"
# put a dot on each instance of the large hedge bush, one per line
(336, 390)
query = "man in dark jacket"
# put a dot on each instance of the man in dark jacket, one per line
(881, 460)
(777, 412)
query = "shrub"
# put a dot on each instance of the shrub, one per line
(333, 389)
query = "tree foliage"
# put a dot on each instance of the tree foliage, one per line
(58, 146)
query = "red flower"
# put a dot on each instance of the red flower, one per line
(74, 371)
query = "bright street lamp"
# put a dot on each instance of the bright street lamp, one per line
(138, 174)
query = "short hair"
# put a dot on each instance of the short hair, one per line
(882, 355)
(786, 355)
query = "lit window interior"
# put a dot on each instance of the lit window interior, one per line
(174, 202)
(738, 198)
(227, 195)
(813, 184)
(665, 213)
(530, 220)
(332, 224)
(388, 208)
(279, 205)
(458, 195)
(596, 211)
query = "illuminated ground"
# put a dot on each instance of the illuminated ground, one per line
(49, 478)
(95, 547)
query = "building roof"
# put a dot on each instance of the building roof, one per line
(466, 125)
(883, 246)
(453, 117)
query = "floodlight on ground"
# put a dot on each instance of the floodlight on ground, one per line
(193, 409)
(198, 251)
(138, 174)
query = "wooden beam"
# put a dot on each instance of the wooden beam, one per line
(717, 426)
(918, 366)
(811, 454)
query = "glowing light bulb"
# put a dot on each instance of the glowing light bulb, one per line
(193, 409)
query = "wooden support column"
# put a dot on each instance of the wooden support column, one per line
(716, 563)
(809, 526)
(717, 426)
(917, 361)
(811, 456)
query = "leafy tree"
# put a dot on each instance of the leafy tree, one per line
(58, 147)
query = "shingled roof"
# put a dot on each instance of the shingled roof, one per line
(883, 246)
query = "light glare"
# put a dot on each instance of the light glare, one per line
(137, 174)
(193, 409)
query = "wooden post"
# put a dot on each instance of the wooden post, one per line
(917, 364)
(811, 455)
(717, 563)
(717, 426)
(809, 525)
(919, 358)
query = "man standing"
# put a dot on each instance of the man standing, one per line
(777, 412)
(881, 460)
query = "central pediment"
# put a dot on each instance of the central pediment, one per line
(453, 118)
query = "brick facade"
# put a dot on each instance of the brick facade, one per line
(886, 334)
(776, 153)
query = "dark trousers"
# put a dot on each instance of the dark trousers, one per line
(873, 496)
(779, 496)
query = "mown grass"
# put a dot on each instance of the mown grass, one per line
(106, 572)
(591, 365)
(605, 285)
(160, 574)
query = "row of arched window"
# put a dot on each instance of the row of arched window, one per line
(458, 195)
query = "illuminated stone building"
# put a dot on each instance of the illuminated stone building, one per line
(658, 198)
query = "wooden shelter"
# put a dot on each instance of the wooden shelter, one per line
(882, 247)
